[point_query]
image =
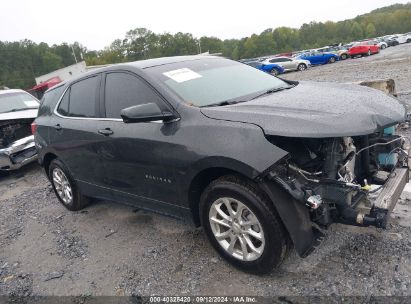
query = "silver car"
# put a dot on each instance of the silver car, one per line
(18, 109)
(289, 64)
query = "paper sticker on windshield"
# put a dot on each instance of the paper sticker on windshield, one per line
(182, 75)
(31, 103)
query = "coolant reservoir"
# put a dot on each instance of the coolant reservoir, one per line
(386, 159)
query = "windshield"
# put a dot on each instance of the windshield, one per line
(210, 81)
(18, 101)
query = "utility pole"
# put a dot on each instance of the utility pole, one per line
(199, 46)
(74, 54)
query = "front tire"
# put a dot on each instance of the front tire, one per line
(369, 53)
(331, 60)
(274, 72)
(344, 56)
(65, 187)
(242, 226)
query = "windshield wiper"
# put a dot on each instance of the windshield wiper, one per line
(21, 109)
(231, 102)
(223, 103)
(270, 91)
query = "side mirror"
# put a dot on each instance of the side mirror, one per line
(144, 113)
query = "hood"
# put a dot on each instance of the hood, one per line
(315, 110)
(30, 113)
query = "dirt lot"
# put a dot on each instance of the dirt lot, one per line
(111, 249)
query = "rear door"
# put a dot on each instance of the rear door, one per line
(74, 134)
(136, 161)
(289, 64)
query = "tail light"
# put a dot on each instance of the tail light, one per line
(33, 127)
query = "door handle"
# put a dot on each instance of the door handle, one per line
(58, 127)
(106, 131)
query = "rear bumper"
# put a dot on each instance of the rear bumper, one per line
(18, 154)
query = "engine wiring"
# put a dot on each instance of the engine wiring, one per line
(379, 144)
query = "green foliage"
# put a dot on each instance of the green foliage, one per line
(370, 31)
(21, 61)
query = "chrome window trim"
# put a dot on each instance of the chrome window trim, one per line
(97, 118)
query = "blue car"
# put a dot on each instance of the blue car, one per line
(272, 68)
(319, 58)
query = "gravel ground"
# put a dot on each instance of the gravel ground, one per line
(111, 249)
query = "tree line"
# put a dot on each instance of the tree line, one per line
(21, 61)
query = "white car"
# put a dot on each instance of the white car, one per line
(382, 44)
(405, 38)
(289, 64)
(18, 109)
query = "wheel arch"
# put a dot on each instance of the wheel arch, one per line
(47, 159)
(292, 213)
(209, 170)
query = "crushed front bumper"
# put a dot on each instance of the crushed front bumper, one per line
(389, 195)
(18, 154)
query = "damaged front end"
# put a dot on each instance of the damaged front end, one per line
(17, 146)
(351, 180)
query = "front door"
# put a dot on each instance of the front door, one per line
(137, 153)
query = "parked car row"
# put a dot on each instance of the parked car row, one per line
(302, 60)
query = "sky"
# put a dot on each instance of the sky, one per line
(95, 24)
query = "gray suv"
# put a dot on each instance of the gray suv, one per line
(262, 164)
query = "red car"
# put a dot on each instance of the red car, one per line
(364, 48)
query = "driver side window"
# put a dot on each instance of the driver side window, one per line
(123, 90)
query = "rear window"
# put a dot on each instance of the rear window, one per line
(80, 99)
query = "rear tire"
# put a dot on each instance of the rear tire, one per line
(302, 67)
(344, 56)
(369, 52)
(383, 46)
(65, 187)
(226, 206)
(408, 40)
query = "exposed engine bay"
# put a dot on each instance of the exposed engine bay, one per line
(343, 179)
(17, 146)
(12, 130)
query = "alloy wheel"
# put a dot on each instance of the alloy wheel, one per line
(237, 229)
(62, 186)
(274, 72)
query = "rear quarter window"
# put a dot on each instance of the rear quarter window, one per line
(49, 101)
